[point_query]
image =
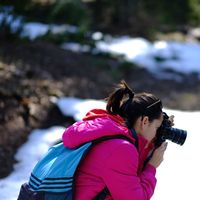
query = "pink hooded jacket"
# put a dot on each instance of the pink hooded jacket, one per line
(115, 164)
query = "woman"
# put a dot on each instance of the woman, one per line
(119, 164)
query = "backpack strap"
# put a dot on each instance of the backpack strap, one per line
(105, 191)
(104, 138)
(135, 136)
(102, 195)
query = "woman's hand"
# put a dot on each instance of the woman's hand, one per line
(158, 155)
(171, 119)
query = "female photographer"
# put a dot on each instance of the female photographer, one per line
(115, 168)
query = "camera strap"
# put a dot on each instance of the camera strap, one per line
(134, 134)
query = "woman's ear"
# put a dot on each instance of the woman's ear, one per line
(144, 121)
(141, 124)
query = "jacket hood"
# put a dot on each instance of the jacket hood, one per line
(97, 123)
(95, 113)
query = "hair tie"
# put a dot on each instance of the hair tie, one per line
(130, 93)
(128, 102)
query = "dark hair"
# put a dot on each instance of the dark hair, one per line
(122, 101)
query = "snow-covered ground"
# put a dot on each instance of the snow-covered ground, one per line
(156, 56)
(178, 176)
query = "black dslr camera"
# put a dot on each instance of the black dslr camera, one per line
(166, 132)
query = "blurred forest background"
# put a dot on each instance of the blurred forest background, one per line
(34, 70)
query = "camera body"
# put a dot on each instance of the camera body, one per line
(166, 132)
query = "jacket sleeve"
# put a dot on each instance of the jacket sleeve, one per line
(85, 131)
(120, 175)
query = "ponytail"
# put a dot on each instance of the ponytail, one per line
(115, 100)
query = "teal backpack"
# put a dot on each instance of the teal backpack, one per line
(53, 176)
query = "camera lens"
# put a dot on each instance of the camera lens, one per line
(176, 135)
